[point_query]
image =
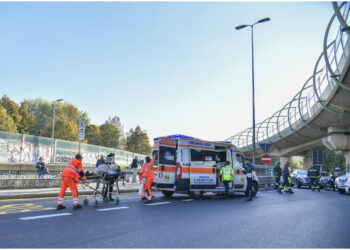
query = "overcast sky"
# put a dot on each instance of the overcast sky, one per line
(172, 68)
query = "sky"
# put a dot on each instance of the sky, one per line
(169, 67)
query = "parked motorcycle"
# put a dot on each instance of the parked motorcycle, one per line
(329, 184)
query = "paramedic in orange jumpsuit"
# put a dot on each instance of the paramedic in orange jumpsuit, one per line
(141, 172)
(148, 174)
(70, 178)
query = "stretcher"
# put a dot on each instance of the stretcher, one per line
(104, 180)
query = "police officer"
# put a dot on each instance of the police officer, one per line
(226, 173)
(314, 175)
(277, 170)
(248, 170)
(287, 178)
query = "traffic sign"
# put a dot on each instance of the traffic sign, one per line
(266, 159)
(265, 147)
(81, 130)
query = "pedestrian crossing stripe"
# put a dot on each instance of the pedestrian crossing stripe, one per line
(22, 208)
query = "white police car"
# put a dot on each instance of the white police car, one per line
(343, 183)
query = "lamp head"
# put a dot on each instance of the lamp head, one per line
(264, 20)
(241, 27)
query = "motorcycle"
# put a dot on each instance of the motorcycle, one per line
(329, 184)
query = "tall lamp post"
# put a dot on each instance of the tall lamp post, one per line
(253, 92)
(53, 128)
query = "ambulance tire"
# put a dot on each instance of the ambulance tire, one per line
(168, 194)
(196, 194)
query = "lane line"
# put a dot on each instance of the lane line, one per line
(44, 216)
(159, 203)
(112, 208)
(188, 200)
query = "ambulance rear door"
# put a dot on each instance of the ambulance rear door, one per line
(239, 178)
(166, 163)
(203, 168)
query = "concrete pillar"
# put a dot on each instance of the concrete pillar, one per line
(307, 161)
(347, 161)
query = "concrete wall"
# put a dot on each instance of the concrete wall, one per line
(29, 183)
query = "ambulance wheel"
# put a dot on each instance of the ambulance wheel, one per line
(196, 194)
(85, 202)
(168, 194)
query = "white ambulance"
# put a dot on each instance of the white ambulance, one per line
(192, 166)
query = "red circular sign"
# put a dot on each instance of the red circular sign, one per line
(266, 159)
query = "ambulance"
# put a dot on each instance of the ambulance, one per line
(188, 165)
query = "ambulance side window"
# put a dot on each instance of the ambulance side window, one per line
(196, 155)
(209, 155)
(167, 155)
(155, 153)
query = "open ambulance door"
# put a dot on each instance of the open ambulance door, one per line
(166, 164)
(203, 169)
(239, 178)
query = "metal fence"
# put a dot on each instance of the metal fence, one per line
(21, 148)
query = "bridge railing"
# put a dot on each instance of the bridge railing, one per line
(316, 91)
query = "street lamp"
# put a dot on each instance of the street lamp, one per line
(253, 92)
(53, 128)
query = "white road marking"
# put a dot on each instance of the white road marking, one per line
(112, 208)
(188, 200)
(159, 203)
(44, 216)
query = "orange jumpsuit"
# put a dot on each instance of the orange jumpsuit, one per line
(70, 178)
(149, 175)
(142, 171)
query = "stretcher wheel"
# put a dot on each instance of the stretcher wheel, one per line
(117, 200)
(97, 203)
(85, 202)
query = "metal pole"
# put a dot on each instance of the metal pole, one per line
(253, 94)
(79, 145)
(53, 130)
(141, 143)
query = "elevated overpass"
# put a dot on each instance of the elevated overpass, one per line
(318, 116)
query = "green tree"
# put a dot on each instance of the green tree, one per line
(109, 135)
(137, 141)
(12, 110)
(335, 159)
(6, 122)
(295, 164)
(93, 134)
(66, 129)
(28, 120)
(41, 110)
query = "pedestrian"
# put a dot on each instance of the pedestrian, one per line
(40, 165)
(70, 178)
(100, 161)
(314, 176)
(148, 176)
(248, 170)
(135, 163)
(277, 170)
(226, 173)
(287, 178)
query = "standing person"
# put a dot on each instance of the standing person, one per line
(148, 175)
(277, 170)
(287, 178)
(135, 163)
(70, 178)
(226, 173)
(248, 170)
(40, 165)
(314, 175)
(100, 161)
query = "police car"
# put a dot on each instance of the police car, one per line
(343, 183)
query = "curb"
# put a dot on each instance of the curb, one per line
(53, 194)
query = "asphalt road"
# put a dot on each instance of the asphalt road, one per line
(304, 219)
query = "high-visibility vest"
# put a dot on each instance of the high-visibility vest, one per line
(227, 173)
(73, 170)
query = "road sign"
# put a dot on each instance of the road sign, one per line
(81, 130)
(265, 146)
(266, 159)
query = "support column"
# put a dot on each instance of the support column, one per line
(307, 160)
(347, 161)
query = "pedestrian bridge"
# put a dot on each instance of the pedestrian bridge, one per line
(318, 116)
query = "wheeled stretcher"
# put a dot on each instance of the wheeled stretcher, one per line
(106, 180)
